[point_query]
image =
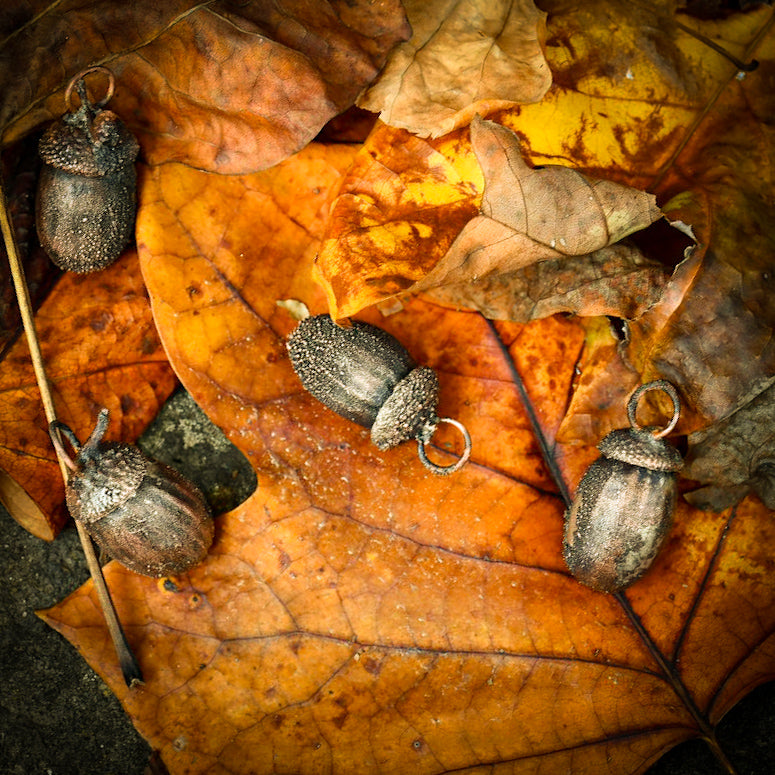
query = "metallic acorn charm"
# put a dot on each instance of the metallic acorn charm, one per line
(141, 512)
(624, 504)
(85, 207)
(366, 375)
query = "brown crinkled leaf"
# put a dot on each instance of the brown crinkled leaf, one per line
(735, 456)
(101, 349)
(616, 280)
(358, 614)
(548, 213)
(220, 85)
(555, 206)
(462, 56)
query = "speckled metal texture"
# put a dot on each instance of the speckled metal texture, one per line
(86, 202)
(105, 480)
(640, 448)
(410, 410)
(142, 513)
(617, 524)
(351, 370)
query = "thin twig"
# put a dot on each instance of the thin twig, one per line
(129, 665)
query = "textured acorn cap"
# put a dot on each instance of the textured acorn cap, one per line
(351, 370)
(88, 143)
(641, 448)
(106, 477)
(410, 410)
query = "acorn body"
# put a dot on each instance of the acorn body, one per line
(367, 376)
(141, 512)
(86, 203)
(623, 508)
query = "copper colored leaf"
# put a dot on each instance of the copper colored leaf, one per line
(100, 348)
(461, 56)
(358, 614)
(218, 85)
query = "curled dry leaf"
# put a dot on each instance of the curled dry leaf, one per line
(101, 349)
(735, 456)
(462, 56)
(221, 86)
(548, 213)
(396, 228)
(359, 614)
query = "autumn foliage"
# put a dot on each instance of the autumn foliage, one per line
(358, 614)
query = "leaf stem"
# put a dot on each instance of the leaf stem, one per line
(676, 683)
(129, 665)
(546, 452)
(669, 673)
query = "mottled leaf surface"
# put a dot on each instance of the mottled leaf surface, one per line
(360, 614)
(101, 349)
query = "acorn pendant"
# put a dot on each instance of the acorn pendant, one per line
(624, 504)
(139, 511)
(85, 206)
(367, 376)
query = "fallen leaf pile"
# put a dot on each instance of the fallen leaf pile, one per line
(358, 614)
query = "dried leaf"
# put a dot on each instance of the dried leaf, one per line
(736, 456)
(359, 614)
(397, 212)
(617, 281)
(621, 117)
(548, 213)
(101, 349)
(389, 234)
(462, 56)
(222, 86)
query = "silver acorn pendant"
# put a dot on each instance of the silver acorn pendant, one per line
(624, 504)
(85, 204)
(143, 513)
(367, 376)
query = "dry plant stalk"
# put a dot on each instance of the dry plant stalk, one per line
(129, 665)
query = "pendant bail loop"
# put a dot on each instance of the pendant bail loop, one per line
(632, 407)
(450, 469)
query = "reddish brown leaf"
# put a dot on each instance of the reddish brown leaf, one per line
(359, 614)
(232, 87)
(100, 349)
(462, 57)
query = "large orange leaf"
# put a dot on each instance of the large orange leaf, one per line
(219, 85)
(359, 614)
(100, 348)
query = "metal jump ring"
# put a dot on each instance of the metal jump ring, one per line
(446, 470)
(80, 76)
(658, 384)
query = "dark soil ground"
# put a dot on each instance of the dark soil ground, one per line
(57, 717)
